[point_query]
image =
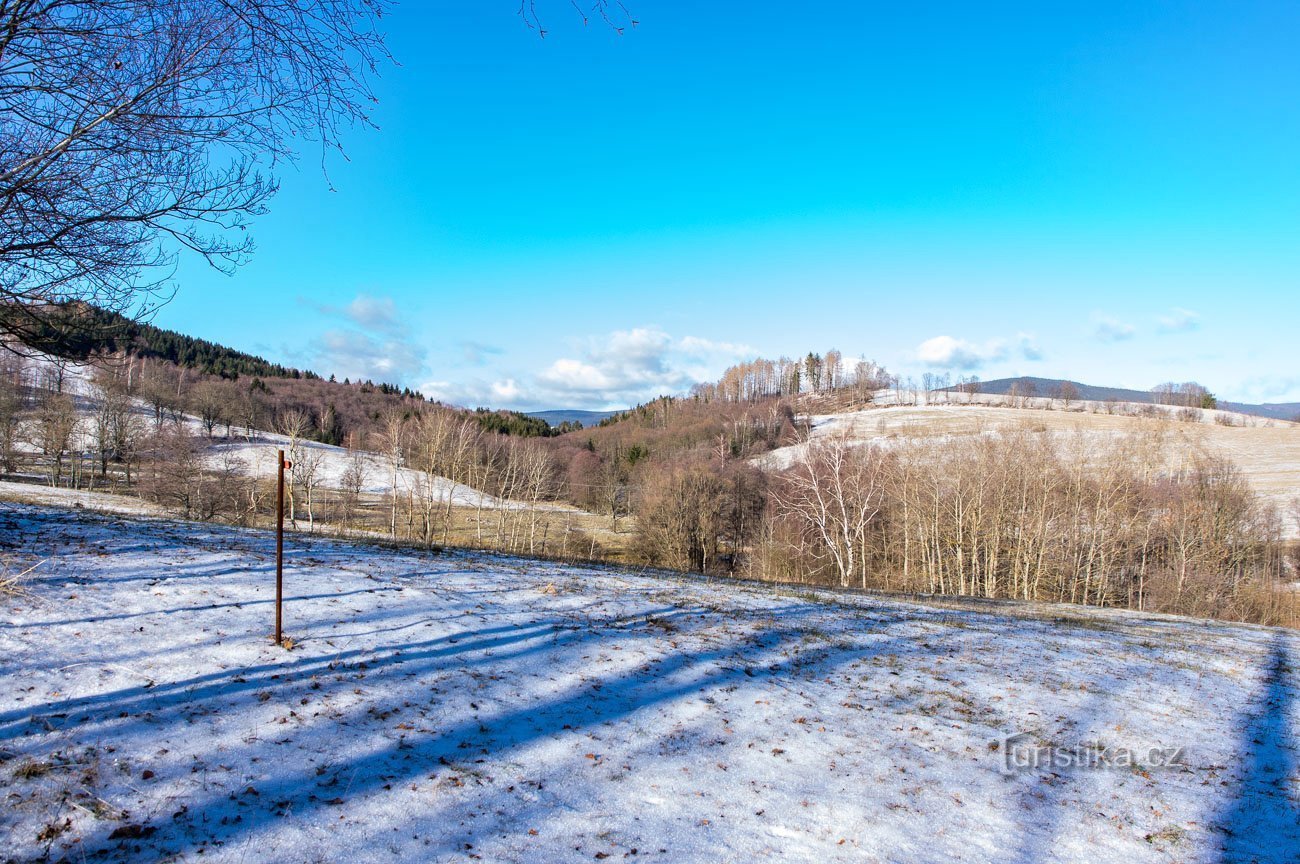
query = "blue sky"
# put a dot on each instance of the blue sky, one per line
(1096, 191)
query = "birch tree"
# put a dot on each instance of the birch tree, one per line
(835, 489)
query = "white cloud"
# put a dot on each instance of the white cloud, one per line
(350, 354)
(623, 365)
(1269, 388)
(375, 313)
(1027, 345)
(1107, 329)
(476, 353)
(476, 393)
(617, 369)
(506, 391)
(613, 370)
(698, 347)
(380, 347)
(946, 352)
(466, 394)
(1178, 321)
(576, 376)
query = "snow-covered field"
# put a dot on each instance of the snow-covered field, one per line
(469, 707)
(31, 493)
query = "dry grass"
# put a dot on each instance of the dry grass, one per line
(12, 575)
(561, 531)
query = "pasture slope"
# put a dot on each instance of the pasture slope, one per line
(472, 707)
(1266, 451)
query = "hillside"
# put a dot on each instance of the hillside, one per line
(1124, 510)
(1276, 410)
(1268, 452)
(462, 707)
(1051, 386)
(209, 452)
(79, 331)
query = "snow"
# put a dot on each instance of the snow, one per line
(62, 497)
(473, 707)
(257, 457)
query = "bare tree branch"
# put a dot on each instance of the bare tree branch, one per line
(131, 130)
(612, 13)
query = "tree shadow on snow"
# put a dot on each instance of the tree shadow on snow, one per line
(347, 759)
(1262, 822)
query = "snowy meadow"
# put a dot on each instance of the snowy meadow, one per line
(459, 706)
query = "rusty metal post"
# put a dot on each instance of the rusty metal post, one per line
(279, 548)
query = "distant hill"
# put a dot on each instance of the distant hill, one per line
(1049, 386)
(572, 415)
(78, 331)
(1027, 385)
(1276, 410)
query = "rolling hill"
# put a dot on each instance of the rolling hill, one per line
(1049, 386)
(1267, 451)
(557, 416)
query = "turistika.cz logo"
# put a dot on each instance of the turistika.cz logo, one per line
(1021, 753)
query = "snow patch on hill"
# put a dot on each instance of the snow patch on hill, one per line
(257, 458)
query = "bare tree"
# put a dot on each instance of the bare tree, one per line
(306, 476)
(1067, 393)
(173, 472)
(12, 392)
(9, 426)
(868, 377)
(1188, 394)
(211, 401)
(1037, 517)
(391, 441)
(537, 482)
(835, 489)
(179, 474)
(54, 431)
(928, 384)
(116, 428)
(443, 447)
(352, 482)
(159, 383)
(1021, 393)
(430, 437)
(294, 424)
(1294, 512)
(968, 386)
(613, 487)
(133, 129)
(246, 410)
(833, 369)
